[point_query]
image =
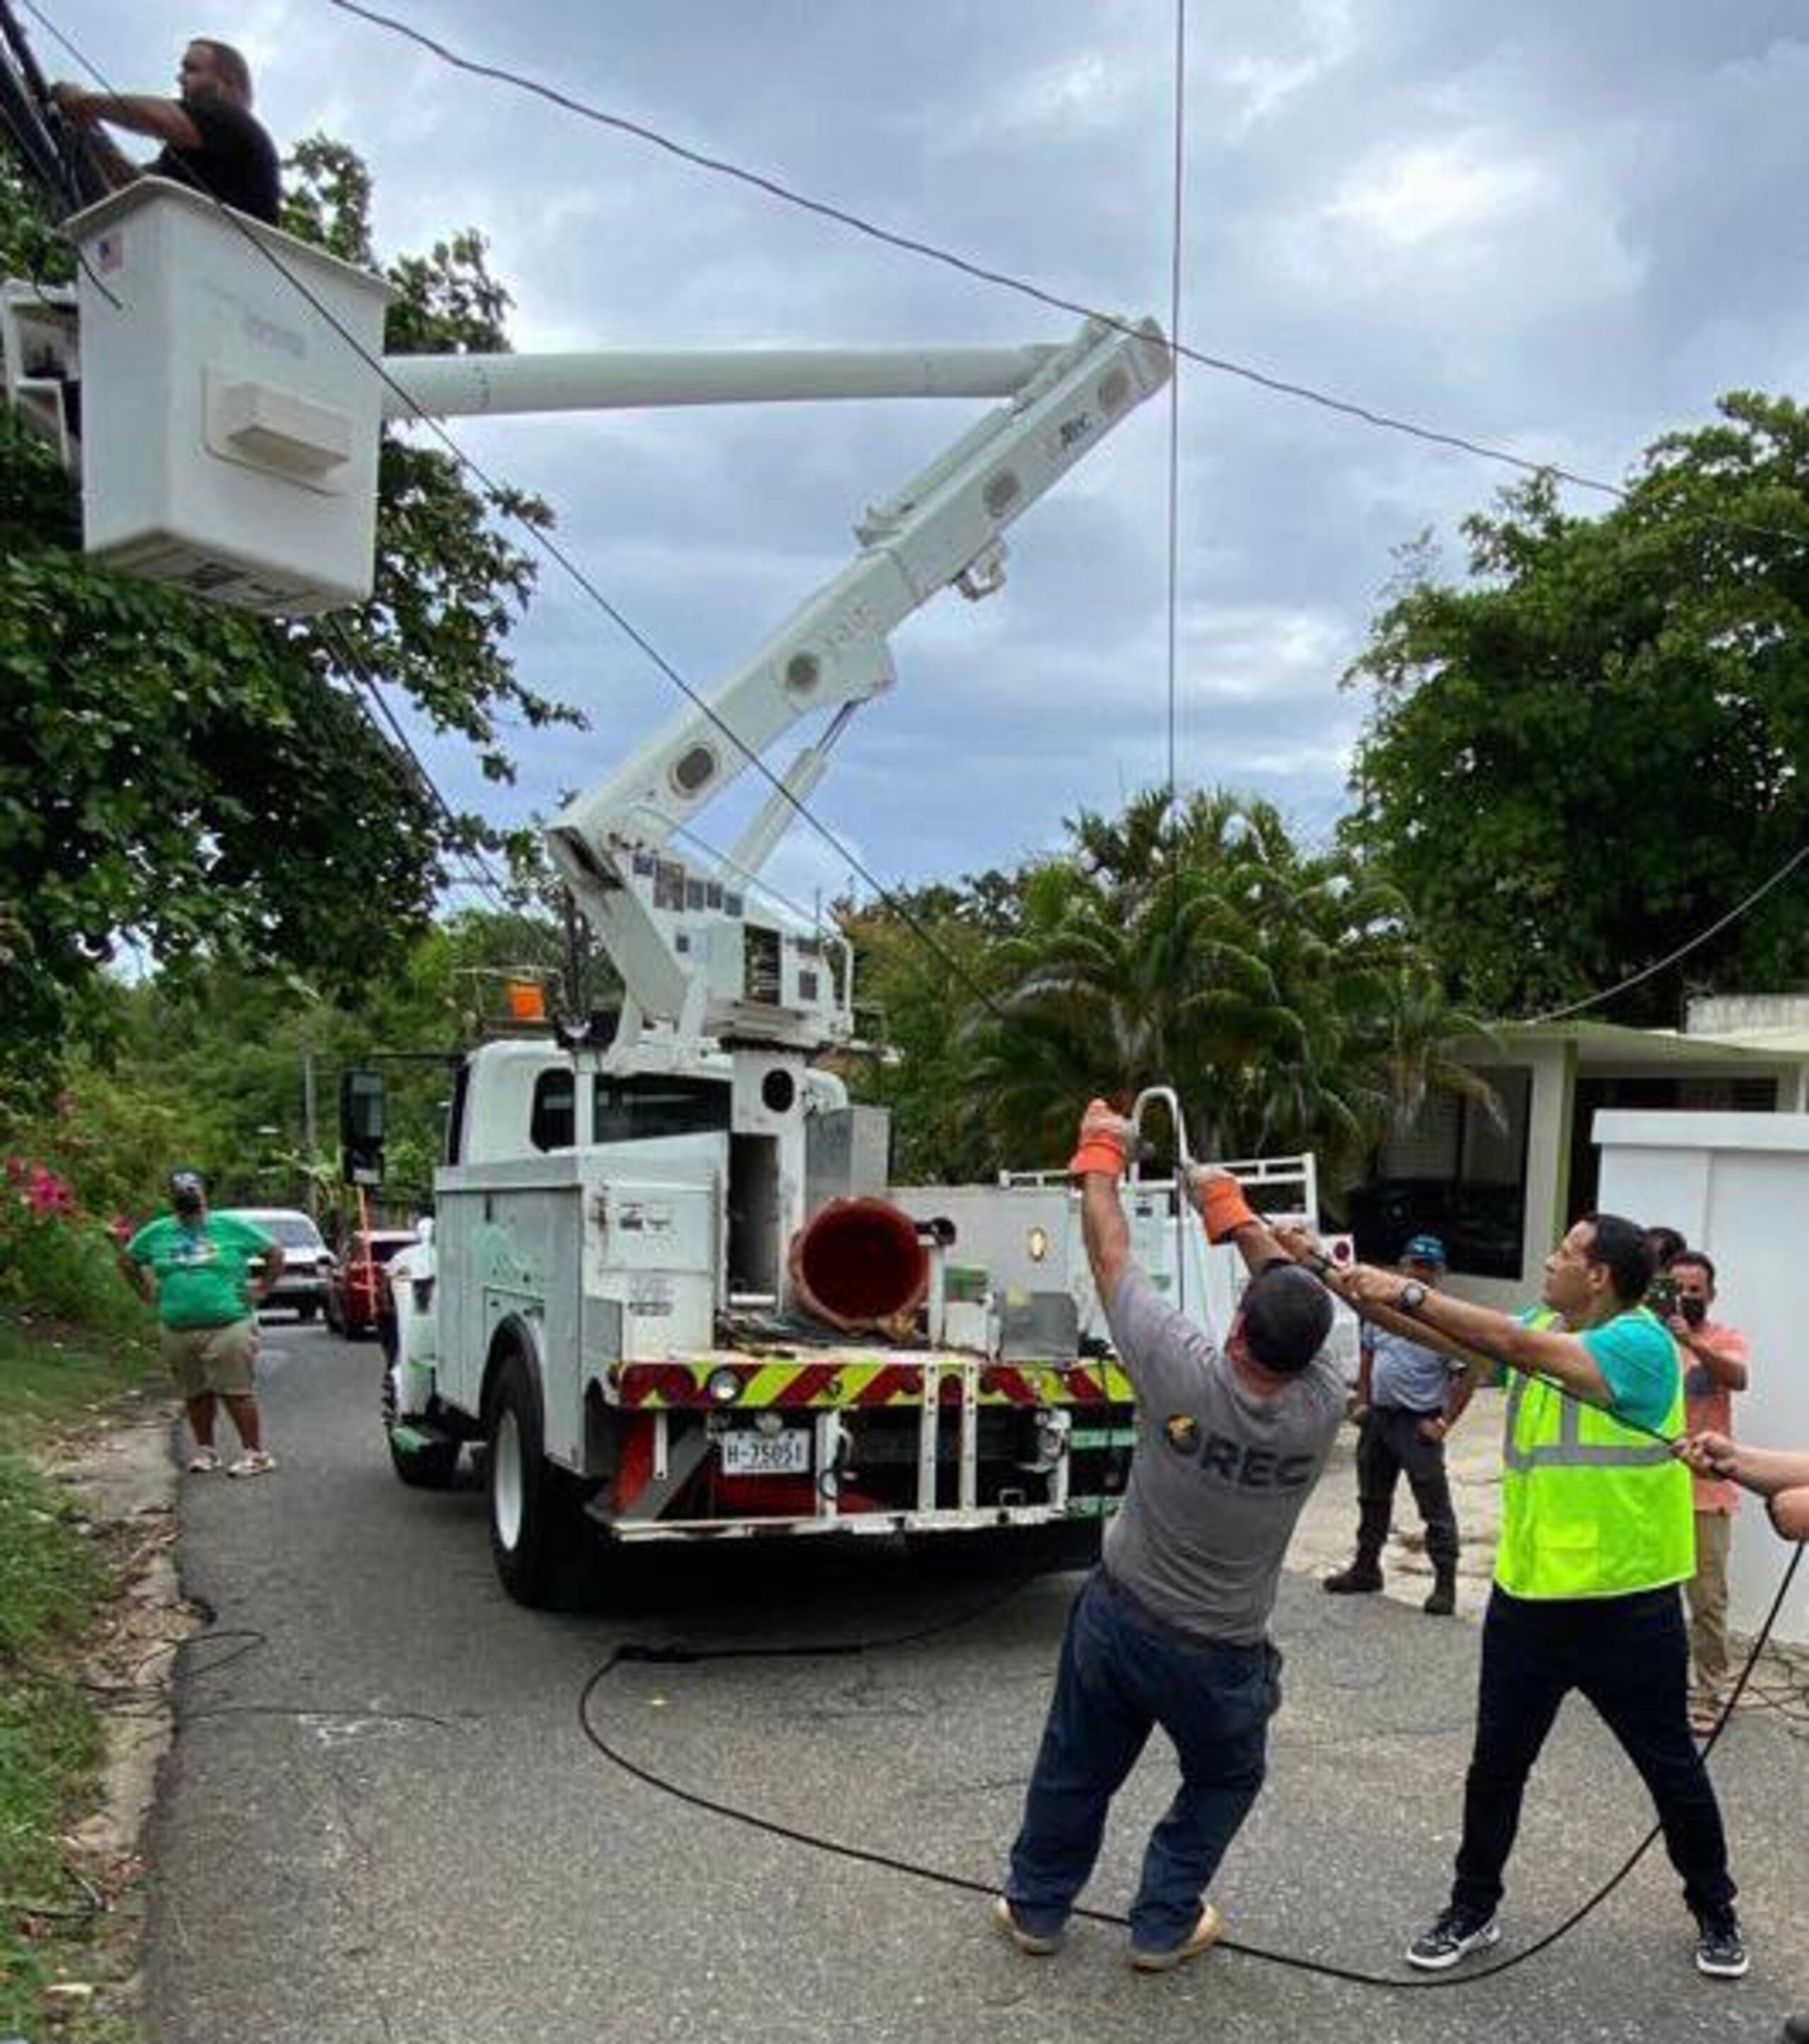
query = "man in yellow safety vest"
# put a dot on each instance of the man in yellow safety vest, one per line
(1597, 1535)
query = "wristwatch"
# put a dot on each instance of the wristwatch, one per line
(1411, 1296)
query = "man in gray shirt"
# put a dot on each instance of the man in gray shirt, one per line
(1171, 1630)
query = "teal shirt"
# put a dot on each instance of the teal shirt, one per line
(1638, 1362)
(203, 1273)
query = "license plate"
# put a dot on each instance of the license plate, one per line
(745, 1452)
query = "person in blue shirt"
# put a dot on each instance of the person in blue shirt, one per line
(1409, 1397)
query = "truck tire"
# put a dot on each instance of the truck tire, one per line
(538, 1531)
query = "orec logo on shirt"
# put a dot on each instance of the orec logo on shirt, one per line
(1234, 1461)
(194, 1249)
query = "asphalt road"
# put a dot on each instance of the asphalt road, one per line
(383, 1821)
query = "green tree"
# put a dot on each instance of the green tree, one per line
(1597, 747)
(1283, 993)
(197, 784)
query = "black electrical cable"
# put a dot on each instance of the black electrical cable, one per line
(634, 1654)
(556, 553)
(895, 904)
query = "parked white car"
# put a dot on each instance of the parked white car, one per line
(306, 1259)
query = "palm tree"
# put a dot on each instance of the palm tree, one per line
(1283, 993)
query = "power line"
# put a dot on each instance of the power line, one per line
(1683, 950)
(930, 252)
(1177, 214)
(482, 875)
(503, 502)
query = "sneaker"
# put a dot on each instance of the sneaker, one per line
(203, 1462)
(1029, 1942)
(1203, 1937)
(1453, 1935)
(1358, 1580)
(254, 1462)
(1721, 1950)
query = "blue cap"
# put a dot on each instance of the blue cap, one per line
(1424, 1249)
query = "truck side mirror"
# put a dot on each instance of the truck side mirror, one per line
(361, 1128)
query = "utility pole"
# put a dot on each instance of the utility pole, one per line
(310, 1135)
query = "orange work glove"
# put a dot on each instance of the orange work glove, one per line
(1101, 1147)
(1223, 1208)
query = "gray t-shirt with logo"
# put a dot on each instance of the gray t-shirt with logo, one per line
(1220, 1475)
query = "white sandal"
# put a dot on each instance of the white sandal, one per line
(203, 1462)
(254, 1462)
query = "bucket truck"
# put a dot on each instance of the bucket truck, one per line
(669, 1290)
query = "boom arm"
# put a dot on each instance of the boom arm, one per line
(688, 962)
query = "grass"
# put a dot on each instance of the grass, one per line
(54, 1578)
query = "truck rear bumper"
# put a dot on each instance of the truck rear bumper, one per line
(936, 1443)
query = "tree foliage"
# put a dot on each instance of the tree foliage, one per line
(1284, 993)
(1595, 749)
(199, 784)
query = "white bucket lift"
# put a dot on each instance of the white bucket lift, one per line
(229, 424)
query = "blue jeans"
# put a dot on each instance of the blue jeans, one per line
(1122, 1673)
(1629, 1656)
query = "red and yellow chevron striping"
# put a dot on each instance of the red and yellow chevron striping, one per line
(647, 1386)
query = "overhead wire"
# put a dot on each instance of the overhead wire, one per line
(1180, 352)
(482, 876)
(788, 195)
(1023, 287)
(580, 578)
(1732, 916)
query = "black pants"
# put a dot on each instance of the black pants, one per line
(1629, 1656)
(1389, 1441)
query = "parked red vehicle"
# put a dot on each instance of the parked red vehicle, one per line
(354, 1286)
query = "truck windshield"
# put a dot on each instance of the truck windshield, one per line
(637, 1109)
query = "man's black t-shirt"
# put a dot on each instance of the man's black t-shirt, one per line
(236, 163)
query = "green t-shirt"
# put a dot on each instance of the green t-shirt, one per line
(201, 1272)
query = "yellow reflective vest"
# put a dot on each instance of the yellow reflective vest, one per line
(1589, 1508)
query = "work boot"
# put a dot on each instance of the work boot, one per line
(1363, 1575)
(1443, 1601)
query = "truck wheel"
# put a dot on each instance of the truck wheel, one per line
(537, 1530)
(305, 1311)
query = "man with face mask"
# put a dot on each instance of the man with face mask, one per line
(205, 1273)
(1715, 1366)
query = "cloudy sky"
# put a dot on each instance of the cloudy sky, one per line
(1558, 226)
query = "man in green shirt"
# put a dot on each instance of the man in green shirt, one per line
(205, 1273)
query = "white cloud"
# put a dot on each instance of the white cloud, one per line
(1559, 228)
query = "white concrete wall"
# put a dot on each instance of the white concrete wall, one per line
(1738, 1185)
(1547, 1170)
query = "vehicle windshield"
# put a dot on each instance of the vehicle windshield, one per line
(291, 1230)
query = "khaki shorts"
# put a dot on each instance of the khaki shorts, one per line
(212, 1359)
